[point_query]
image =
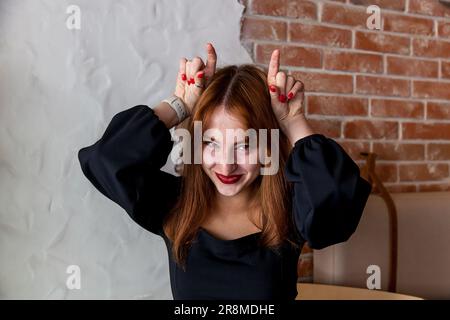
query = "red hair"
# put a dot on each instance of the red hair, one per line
(243, 92)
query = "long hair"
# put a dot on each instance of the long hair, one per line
(243, 92)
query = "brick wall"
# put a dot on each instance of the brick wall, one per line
(385, 91)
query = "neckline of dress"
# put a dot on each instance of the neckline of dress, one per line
(230, 241)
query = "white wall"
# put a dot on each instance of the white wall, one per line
(59, 89)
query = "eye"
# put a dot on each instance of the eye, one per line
(211, 144)
(242, 147)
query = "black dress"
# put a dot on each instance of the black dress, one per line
(328, 199)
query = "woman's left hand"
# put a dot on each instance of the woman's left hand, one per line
(288, 97)
(286, 92)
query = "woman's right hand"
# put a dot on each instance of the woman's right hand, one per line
(194, 76)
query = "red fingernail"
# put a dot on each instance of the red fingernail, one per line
(290, 95)
(282, 98)
(200, 75)
(183, 77)
(272, 88)
(192, 80)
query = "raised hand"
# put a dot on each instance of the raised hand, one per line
(287, 93)
(287, 97)
(194, 76)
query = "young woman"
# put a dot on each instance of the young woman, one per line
(230, 231)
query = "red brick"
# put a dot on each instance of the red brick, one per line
(262, 29)
(438, 151)
(429, 7)
(323, 82)
(382, 86)
(301, 9)
(399, 151)
(431, 48)
(444, 29)
(354, 148)
(329, 128)
(405, 24)
(320, 35)
(384, 4)
(330, 105)
(439, 111)
(397, 108)
(386, 172)
(423, 172)
(290, 55)
(350, 61)
(345, 15)
(412, 67)
(431, 89)
(382, 43)
(437, 131)
(269, 8)
(445, 69)
(371, 129)
(434, 187)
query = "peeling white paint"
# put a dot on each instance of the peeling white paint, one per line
(59, 88)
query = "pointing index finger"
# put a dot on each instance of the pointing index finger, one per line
(210, 61)
(274, 65)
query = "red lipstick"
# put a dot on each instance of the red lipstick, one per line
(228, 179)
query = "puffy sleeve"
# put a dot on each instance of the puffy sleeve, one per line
(124, 165)
(328, 193)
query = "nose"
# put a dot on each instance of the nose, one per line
(226, 161)
(226, 169)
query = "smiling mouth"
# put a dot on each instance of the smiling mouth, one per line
(228, 179)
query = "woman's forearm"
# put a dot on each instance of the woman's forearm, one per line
(166, 114)
(297, 128)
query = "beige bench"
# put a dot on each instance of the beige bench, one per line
(314, 291)
(423, 247)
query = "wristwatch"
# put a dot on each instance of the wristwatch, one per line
(177, 104)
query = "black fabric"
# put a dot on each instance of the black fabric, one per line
(328, 200)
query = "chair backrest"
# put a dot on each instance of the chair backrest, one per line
(423, 247)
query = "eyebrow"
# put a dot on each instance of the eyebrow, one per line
(238, 142)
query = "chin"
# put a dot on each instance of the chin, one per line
(228, 191)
